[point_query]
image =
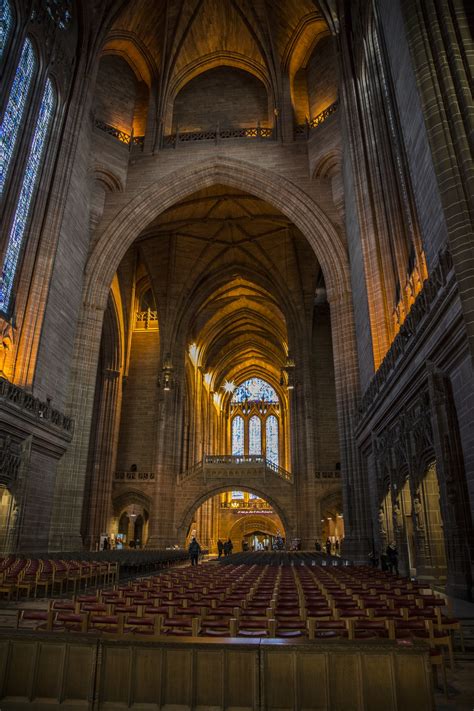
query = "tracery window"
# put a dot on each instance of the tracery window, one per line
(238, 436)
(271, 439)
(6, 21)
(255, 413)
(13, 116)
(255, 435)
(17, 231)
(255, 389)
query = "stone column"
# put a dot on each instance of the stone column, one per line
(105, 454)
(356, 507)
(65, 531)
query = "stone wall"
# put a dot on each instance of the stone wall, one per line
(137, 437)
(322, 76)
(115, 93)
(225, 96)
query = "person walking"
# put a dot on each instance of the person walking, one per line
(328, 546)
(228, 546)
(194, 551)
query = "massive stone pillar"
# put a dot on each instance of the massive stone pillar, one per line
(357, 540)
(104, 457)
(65, 532)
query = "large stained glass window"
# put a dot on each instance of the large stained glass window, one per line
(6, 21)
(15, 238)
(271, 452)
(15, 109)
(238, 436)
(239, 495)
(255, 435)
(255, 389)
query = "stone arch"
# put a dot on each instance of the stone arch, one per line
(124, 220)
(184, 516)
(127, 224)
(131, 496)
(263, 524)
(211, 61)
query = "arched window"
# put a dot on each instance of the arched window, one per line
(255, 412)
(255, 389)
(15, 109)
(238, 436)
(17, 231)
(255, 435)
(271, 439)
(6, 21)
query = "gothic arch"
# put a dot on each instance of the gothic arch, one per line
(185, 518)
(129, 221)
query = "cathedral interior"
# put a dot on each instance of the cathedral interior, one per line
(237, 284)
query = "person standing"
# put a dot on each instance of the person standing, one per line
(194, 551)
(328, 546)
(392, 557)
(220, 547)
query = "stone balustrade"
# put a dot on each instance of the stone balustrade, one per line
(15, 396)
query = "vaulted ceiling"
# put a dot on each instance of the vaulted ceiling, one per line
(178, 39)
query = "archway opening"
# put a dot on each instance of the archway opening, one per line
(245, 518)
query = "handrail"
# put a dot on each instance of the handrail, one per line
(233, 460)
(217, 134)
(134, 476)
(303, 129)
(18, 397)
(126, 138)
(329, 474)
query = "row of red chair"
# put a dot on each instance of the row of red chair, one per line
(33, 576)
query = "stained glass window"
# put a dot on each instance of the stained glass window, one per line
(238, 436)
(12, 118)
(15, 238)
(238, 495)
(272, 439)
(6, 21)
(255, 389)
(255, 435)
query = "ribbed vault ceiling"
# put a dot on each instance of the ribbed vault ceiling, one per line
(182, 38)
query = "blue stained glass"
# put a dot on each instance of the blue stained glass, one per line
(238, 495)
(272, 439)
(17, 231)
(238, 436)
(15, 108)
(255, 389)
(255, 435)
(6, 21)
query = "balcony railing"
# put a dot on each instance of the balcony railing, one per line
(134, 476)
(330, 474)
(303, 130)
(128, 139)
(146, 320)
(218, 134)
(26, 402)
(223, 465)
